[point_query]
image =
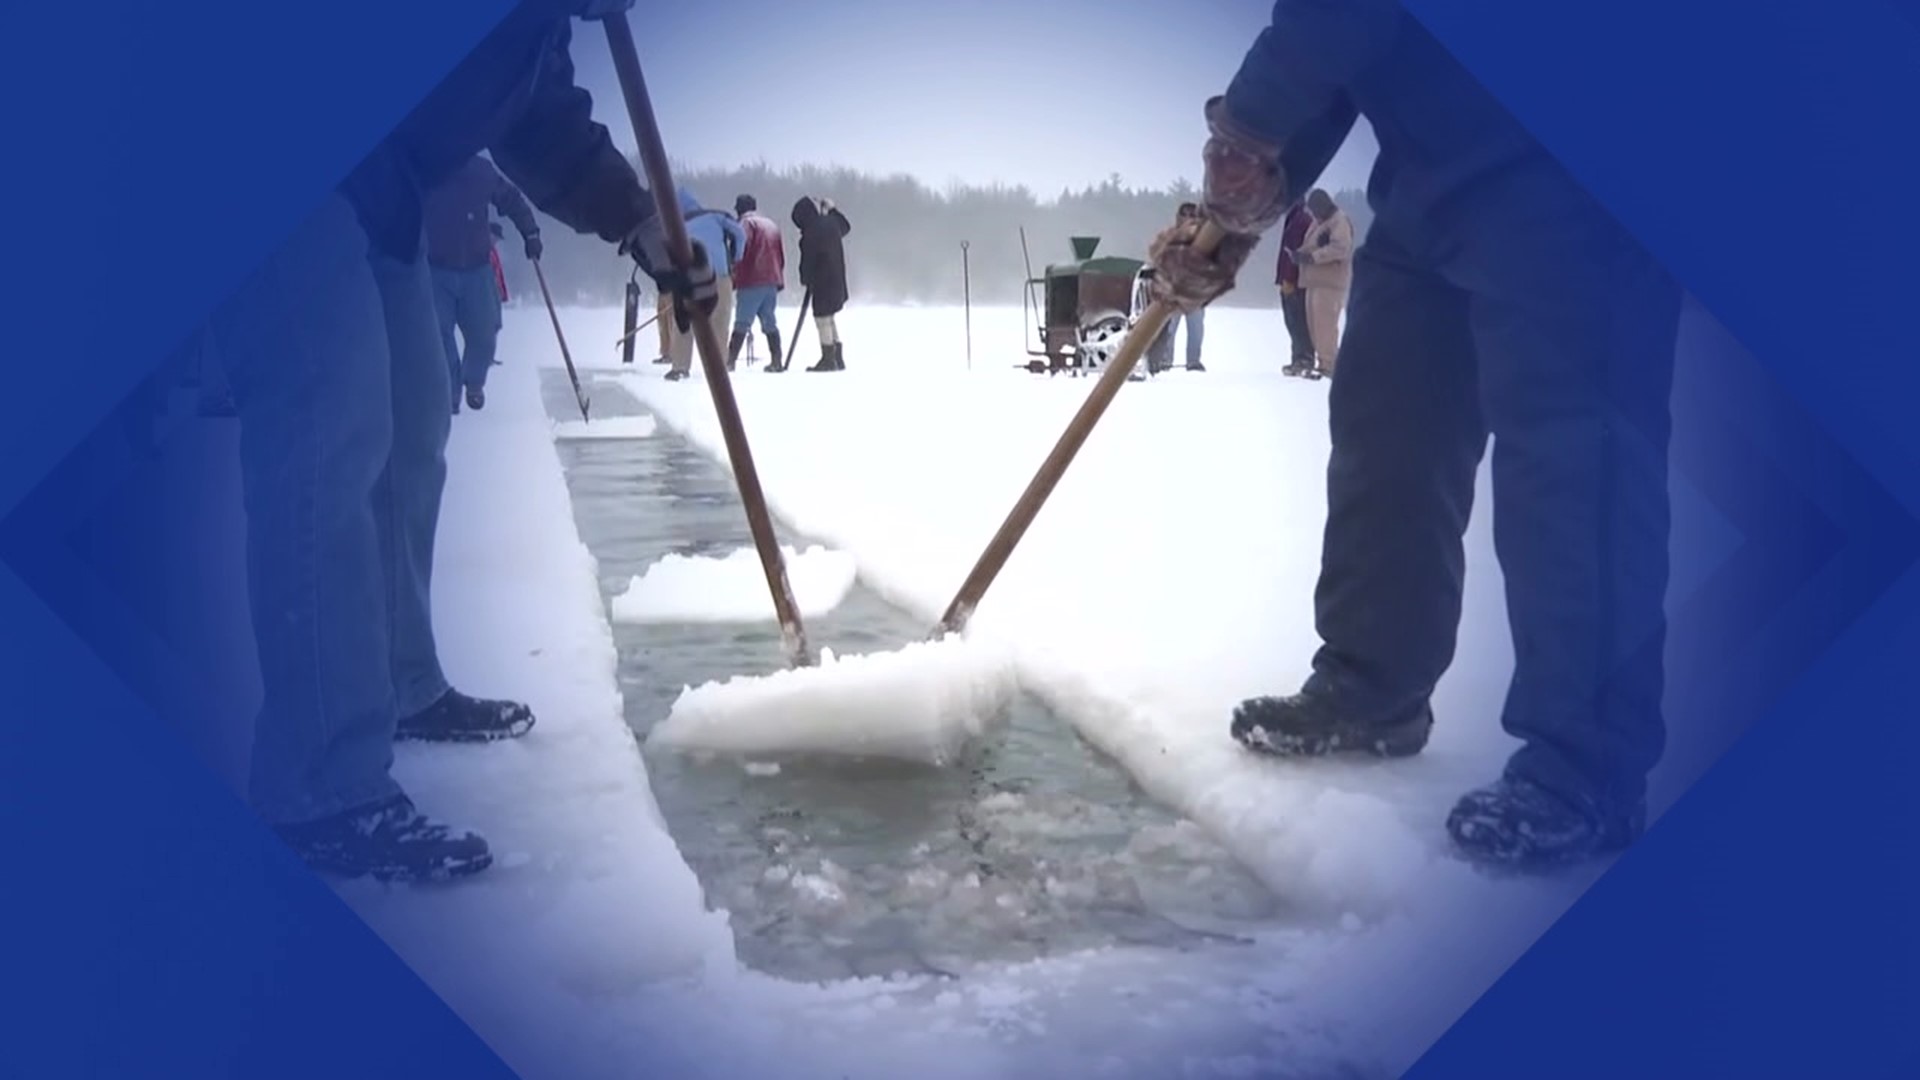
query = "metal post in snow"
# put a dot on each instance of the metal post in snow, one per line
(966, 292)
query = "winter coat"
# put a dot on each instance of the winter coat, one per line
(1326, 254)
(1455, 169)
(1298, 221)
(458, 236)
(764, 262)
(717, 232)
(823, 259)
(514, 96)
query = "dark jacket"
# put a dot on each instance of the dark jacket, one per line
(823, 259)
(515, 97)
(458, 233)
(1455, 169)
(1292, 232)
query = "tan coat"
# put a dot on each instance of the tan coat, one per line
(1329, 266)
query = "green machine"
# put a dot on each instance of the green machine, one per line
(1081, 311)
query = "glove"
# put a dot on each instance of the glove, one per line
(1188, 279)
(826, 205)
(534, 246)
(695, 290)
(1245, 189)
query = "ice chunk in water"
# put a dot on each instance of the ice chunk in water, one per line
(693, 588)
(921, 703)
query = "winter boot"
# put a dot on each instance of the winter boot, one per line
(1517, 824)
(1196, 366)
(390, 841)
(1310, 724)
(476, 398)
(776, 360)
(676, 376)
(459, 718)
(839, 360)
(734, 343)
(826, 359)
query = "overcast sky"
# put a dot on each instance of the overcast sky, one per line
(1046, 93)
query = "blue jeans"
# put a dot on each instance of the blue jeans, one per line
(341, 383)
(756, 301)
(469, 300)
(1196, 321)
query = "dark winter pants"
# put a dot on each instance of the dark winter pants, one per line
(1293, 306)
(1567, 363)
(469, 300)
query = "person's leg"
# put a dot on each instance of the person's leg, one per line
(1323, 324)
(1576, 372)
(829, 334)
(1407, 441)
(446, 304)
(663, 326)
(722, 318)
(407, 518)
(769, 310)
(1293, 308)
(1196, 333)
(480, 326)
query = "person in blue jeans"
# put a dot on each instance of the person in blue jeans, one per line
(758, 276)
(460, 250)
(1493, 297)
(340, 377)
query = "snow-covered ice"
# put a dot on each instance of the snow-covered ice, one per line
(733, 587)
(1170, 575)
(921, 702)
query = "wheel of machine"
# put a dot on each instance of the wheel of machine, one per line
(1100, 339)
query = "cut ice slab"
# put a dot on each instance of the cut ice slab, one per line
(613, 427)
(699, 588)
(922, 703)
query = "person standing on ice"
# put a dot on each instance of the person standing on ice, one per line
(1325, 258)
(823, 271)
(720, 234)
(460, 249)
(1492, 296)
(757, 281)
(342, 384)
(1293, 301)
(1195, 320)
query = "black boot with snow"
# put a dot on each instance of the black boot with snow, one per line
(734, 343)
(1518, 824)
(826, 359)
(774, 356)
(459, 718)
(476, 398)
(390, 841)
(1310, 724)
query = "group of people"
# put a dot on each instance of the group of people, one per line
(750, 264)
(1315, 273)
(1492, 297)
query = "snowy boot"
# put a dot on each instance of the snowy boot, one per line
(826, 359)
(839, 358)
(775, 358)
(1518, 824)
(390, 841)
(476, 398)
(738, 339)
(1310, 724)
(459, 718)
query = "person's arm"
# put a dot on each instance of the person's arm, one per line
(839, 220)
(1301, 67)
(733, 229)
(564, 161)
(1339, 245)
(513, 205)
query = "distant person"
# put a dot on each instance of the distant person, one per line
(723, 238)
(757, 281)
(1195, 321)
(1325, 256)
(466, 294)
(823, 271)
(1293, 299)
